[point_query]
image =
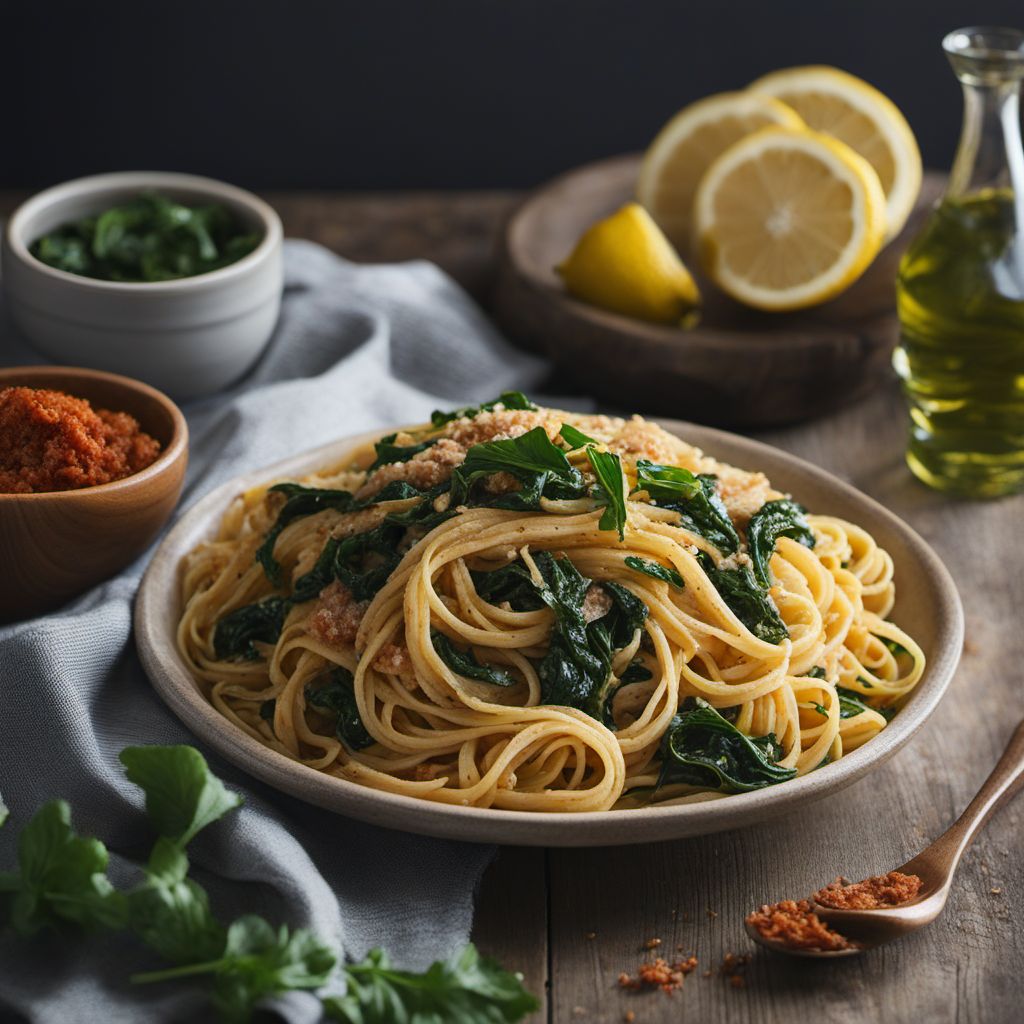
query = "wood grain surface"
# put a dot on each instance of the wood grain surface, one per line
(571, 920)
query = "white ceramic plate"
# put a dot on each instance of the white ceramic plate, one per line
(927, 606)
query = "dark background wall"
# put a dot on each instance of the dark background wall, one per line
(426, 93)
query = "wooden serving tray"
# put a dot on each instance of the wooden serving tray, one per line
(738, 367)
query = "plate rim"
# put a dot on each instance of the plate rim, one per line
(167, 673)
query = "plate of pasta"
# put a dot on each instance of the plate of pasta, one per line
(516, 624)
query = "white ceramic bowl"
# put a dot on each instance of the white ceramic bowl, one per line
(188, 337)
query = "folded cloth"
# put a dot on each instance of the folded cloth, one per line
(356, 347)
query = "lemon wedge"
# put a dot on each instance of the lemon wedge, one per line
(856, 113)
(684, 149)
(625, 264)
(788, 218)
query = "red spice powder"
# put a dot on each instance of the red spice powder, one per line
(795, 923)
(659, 974)
(50, 441)
(891, 890)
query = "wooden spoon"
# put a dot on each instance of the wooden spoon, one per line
(935, 866)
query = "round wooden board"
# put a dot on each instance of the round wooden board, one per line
(738, 367)
(927, 606)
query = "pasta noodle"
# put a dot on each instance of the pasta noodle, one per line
(439, 617)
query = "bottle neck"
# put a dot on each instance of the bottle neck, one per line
(990, 155)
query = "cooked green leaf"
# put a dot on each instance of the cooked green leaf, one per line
(540, 466)
(611, 489)
(300, 502)
(702, 748)
(894, 646)
(656, 570)
(775, 519)
(852, 703)
(575, 438)
(510, 584)
(268, 709)
(507, 399)
(466, 989)
(3, 811)
(695, 498)
(388, 452)
(816, 673)
(748, 602)
(464, 663)
(338, 697)
(237, 633)
(636, 672)
(182, 795)
(363, 562)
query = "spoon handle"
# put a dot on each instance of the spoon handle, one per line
(1006, 780)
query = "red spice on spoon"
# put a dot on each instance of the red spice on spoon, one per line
(794, 923)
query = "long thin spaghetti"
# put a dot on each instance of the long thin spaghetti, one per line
(398, 625)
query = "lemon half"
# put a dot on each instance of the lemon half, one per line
(789, 218)
(625, 264)
(842, 105)
(684, 149)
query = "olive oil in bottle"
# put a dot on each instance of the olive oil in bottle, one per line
(960, 289)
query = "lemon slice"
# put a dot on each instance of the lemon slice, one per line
(856, 113)
(625, 264)
(787, 219)
(684, 149)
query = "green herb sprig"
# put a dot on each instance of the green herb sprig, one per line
(61, 882)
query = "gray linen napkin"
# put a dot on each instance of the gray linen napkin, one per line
(356, 347)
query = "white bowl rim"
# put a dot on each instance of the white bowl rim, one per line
(273, 231)
(177, 687)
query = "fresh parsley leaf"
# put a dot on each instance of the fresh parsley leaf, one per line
(182, 795)
(466, 989)
(338, 697)
(775, 519)
(611, 490)
(575, 438)
(61, 877)
(655, 570)
(702, 748)
(236, 635)
(465, 663)
(507, 399)
(170, 912)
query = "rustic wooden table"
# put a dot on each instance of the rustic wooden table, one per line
(572, 920)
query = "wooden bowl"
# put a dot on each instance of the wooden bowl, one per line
(738, 367)
(56, 544)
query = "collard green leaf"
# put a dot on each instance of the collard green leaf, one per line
(507, 399)
(236, 634)
(338, 697)
(656, 570)
(182, 795)
(702, 748)
(748, 602)
(611, 489)
(465, 663)
(61, 877)
(775, 519)
(466, 989)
